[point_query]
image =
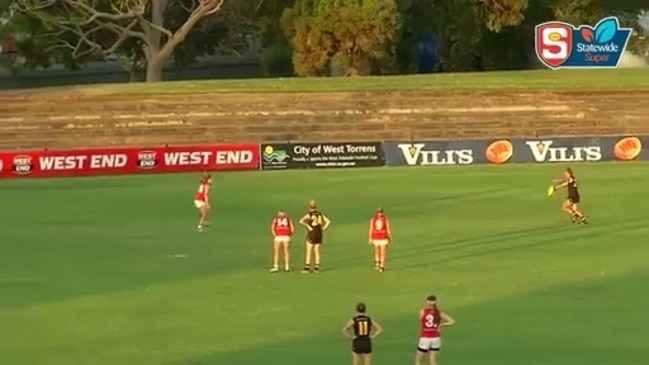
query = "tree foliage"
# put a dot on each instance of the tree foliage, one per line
(312, 37)
(356, 36)
(497, 34)
(498, 14)
(79, 29)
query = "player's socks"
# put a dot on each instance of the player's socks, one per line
(306, 270)
(583, 220)
(316, 268)
(287, 268)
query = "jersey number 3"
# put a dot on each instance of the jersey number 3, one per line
(429, 321)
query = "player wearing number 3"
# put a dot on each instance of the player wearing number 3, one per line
(282, 230)
(431, 320)
(379, 237)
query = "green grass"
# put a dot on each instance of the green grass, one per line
(89, 272)
(534, 80)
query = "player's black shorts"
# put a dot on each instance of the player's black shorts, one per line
(362, 345)
(574, 199)
(314, 237)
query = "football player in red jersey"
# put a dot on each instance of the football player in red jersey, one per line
(202, 200)
(431, 320)
(282, 229)
(380, 236)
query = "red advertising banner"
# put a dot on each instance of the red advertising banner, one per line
(112, 161)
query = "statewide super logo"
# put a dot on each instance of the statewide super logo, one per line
(562, 45)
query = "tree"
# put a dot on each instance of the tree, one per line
(261, 21)
(105, 27)
(455, 24)
(498, 14)
(357, 36)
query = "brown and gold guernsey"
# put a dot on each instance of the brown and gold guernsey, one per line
(573, 191)
(316, 222)
(362, 325)
(362, 342)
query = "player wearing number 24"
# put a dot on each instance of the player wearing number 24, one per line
(316, 223)
(363, 330)
(431, 320)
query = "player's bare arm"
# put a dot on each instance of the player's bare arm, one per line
(306, 222)
(327, 222)
(562, 185)
(378, 329)
(447, 320)
(369, 233)
(290, 224)
(346, 329)
(387, 227)
(272, 229)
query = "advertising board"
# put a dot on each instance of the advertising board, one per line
(109, 161)
(276, 156)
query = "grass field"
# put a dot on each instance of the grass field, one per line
(584, 80)
(111, 271)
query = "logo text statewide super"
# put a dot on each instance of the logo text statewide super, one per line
(563, 45)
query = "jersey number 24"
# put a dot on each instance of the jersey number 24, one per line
(316, 220)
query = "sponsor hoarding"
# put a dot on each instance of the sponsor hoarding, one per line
(435, 153)
(517, 150)
(320, 155)
(128, 160)
(581, 149)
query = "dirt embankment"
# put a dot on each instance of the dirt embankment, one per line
(65, 121)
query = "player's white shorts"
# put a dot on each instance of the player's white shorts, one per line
(380, 242)
(283, 239)
(429, 344)
(199, 203)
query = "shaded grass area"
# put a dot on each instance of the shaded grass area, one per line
(582, 80)
(557, 325)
